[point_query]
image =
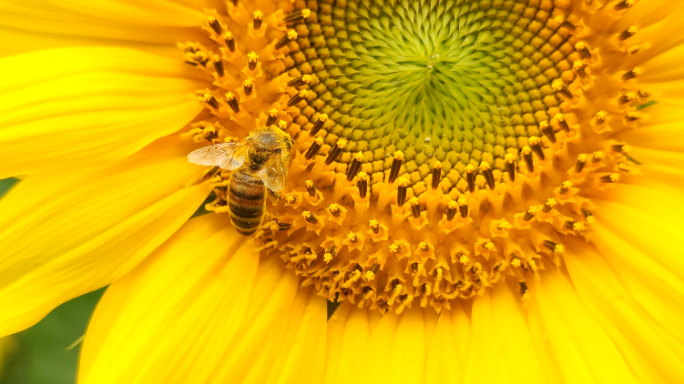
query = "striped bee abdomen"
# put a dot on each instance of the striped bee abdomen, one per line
(246, 201)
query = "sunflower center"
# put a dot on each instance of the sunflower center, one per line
(438, 147)
(456, 83)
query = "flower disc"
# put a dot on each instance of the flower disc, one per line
(440, 147)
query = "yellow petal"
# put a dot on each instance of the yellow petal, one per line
(648, 220)
(639, 229)
(520, 360)
(348, 331)
(663, 137)
(644, 14)
(665, 32)
(448, 354)
(32, 25)
(582, 349)
(651, 352)
(393, 350)
(204, 309)
(501, 346)
(67, 234)
(146, 12)
(88, 106)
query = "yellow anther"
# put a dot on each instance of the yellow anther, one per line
(529, 214)
(396, 166)
(282, 124)
(374, 225)
(581, 161)
(580, 68)
(352, 238)
(306, 13)
(292, 35)
(509, 158)
(489, 246)
(310, 188)
(334, 210)
(362, 184)
(395, 248)
(258, 15)
(290, 199)
(423, 246)
(583, 50)
(309, 217)
(415, 207)
(214, 25)
(597, 156)
(515, 262)
(601, 117)
(336, 151)
(556, 248)
(463, 259)
(353, 277)
(627, 33)
(632, 73)
(634, 49)
(369, 276)
(252, 57)
(452, 208)
(327, 257)
(395, 293)
(633, 116)
(610, 178)
(565, 187)
(504, 225)
(623, 5)
(470, 177)
(299, 96)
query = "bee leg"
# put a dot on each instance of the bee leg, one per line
(208, 174)
(274, 197)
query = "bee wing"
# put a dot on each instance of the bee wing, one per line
(274, 174)
(228, 156)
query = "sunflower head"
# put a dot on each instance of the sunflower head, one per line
(439, 147)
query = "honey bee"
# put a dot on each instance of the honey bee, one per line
(260, 162)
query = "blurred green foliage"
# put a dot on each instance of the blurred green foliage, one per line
(6, 184)
(40, 354)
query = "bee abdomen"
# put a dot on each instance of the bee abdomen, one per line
(246, 201)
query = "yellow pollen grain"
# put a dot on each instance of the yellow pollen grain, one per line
(252, 57)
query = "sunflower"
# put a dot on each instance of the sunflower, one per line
(487, 188)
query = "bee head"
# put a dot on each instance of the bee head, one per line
(267, 142)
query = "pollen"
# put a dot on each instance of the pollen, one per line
(426, 170)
